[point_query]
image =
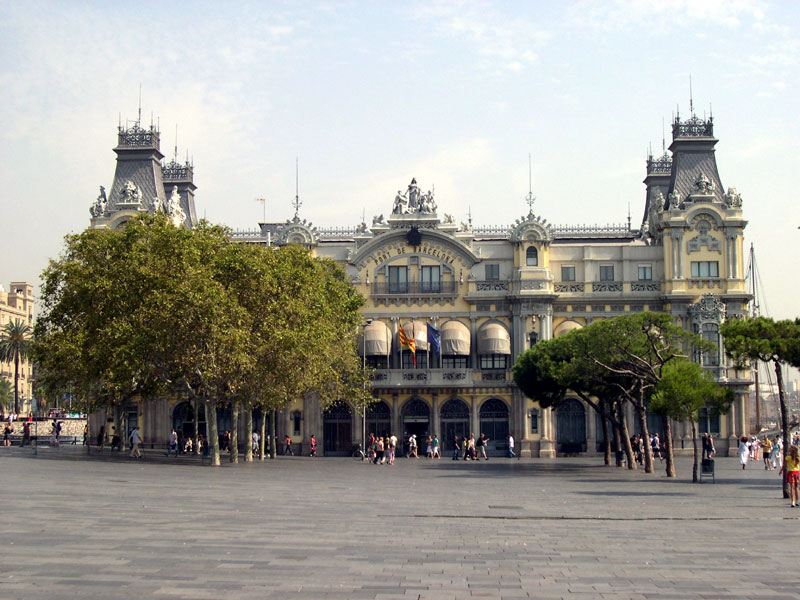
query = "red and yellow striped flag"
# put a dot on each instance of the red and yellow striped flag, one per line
(408, 342)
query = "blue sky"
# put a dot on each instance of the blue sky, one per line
(370, 94)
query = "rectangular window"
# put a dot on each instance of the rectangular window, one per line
(534, 420)
(398, 280)
(606, 272)
(422, 360)
(705, 268)
(492, 272)
(567, 273)
(431, 279)
(494, 361)
(455, 362)
(645, 272)
(378, 362)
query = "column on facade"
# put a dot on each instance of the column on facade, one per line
(518, 338)
(396, 424)
(435, 421)
(473, 343)
(474, 417)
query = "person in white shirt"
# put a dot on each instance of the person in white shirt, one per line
(173, 443)
(511, 446)
(136, 439)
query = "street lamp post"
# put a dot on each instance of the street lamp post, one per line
(364, 400)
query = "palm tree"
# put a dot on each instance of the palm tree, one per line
(14, 345)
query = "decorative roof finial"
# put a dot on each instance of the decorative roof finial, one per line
(176, 143)
(139, 120)
(691, 101)
(663, 138)
(530, 198)
(297, 204)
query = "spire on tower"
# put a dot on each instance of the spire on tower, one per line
(691, 100)
(530, 198)
(297, 204)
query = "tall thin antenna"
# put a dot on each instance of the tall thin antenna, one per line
(363, 215)
(691, 100)
(176, 143)
(139, 121)
(297, 203)
(264, 203)
(663, 137)
(629, 216)
(469, 216)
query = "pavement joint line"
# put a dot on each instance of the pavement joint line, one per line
(591, 518)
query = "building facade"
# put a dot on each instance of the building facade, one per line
(17, 305)
(474, 297)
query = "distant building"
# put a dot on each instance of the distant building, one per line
(490, 292)
(17, 305)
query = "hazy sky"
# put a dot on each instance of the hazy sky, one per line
(370, 94)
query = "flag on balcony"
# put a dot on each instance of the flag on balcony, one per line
(434, 338)
(408, 342)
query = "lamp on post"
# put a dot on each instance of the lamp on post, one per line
(364, 326)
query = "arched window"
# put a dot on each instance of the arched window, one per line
(532, 257)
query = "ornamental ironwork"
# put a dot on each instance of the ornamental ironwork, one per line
(661, 165)
(174, 171)
(494, 409)
(645, 287)
(569, 288)
(693, 127)
(416, 408)
(491, 286)
(454, 376)
(492, 376)
(607, 287)
(383, 288)
(455, 409)
(138, 137)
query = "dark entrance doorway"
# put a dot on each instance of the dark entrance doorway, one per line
(183, 420)
(379, 419)
(455, 422)
(337, 427)
(416, 420)
(494, 425)
(571, 427)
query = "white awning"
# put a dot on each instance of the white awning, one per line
(493, 338)
(377, 340)
(455, 338)
(417, 329)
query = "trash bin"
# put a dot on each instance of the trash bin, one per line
(707, 469)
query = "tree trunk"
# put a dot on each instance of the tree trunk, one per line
(606, 441)
(233, 442)
(694, 453)
(118, 427)
(248, 433)
(262, 443)
(617, 444)
(626, 438)
(668, 446)
(641, 413)
(196, 426)
(784, 425)
(212, 437)
(273, 442)
(16, 383)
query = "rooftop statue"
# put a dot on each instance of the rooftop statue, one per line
(174, 210)
(400, 202)
(130, 194)
(100, 207)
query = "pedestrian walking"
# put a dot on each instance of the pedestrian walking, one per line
(26, 433)
(392, 448)
(136, 440)
(86, 434)
(379, 451)
(792, 467)
(456, 447)
(313, 442)
(481, 445)
(173, 443)
(429, 447)
(288, 450)
(7, 430)
(256, 438)
(511, 446)
(655, 445)
(412, 446)
(766, 451)
(435, 446)
(101, 438)
(744, 451)
(777, 452)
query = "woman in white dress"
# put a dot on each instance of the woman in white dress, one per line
(744, 451)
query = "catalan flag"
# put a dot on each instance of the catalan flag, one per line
(408, 342)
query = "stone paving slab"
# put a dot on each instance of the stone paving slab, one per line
(104, 526)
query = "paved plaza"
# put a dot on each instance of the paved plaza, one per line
(301, 528)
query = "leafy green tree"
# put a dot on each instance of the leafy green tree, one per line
(683, 391)
(5, 394)
(628, 353)
(769, 341)
(14, 346)
(551, 368)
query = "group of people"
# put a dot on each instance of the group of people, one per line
(770, 450)
(381, 449)
(638, 446)
(473, 448)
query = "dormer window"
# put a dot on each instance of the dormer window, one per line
(532, 257)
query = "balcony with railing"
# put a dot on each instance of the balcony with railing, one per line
(607, 287)
(416, 288)
(439, 377)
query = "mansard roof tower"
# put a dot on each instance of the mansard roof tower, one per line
(143, 184)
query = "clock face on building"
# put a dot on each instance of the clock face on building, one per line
(413, 237)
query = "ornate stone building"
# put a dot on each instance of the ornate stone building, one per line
(17, 305)
(474, 297)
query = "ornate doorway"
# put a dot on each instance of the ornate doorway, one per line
(416, 420)
(379, 419)
(571, 427)
(494, 424)
(455, 422)
(337, 427)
